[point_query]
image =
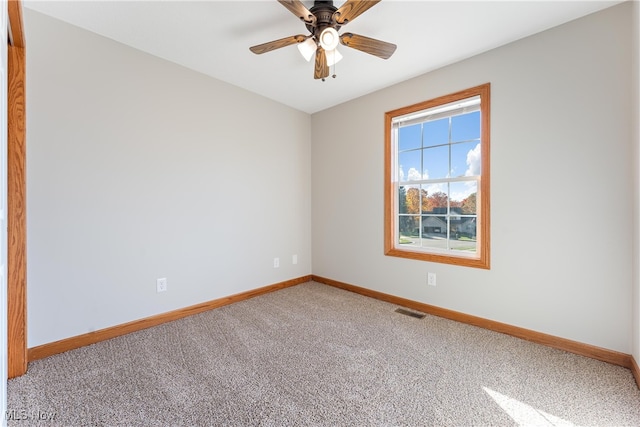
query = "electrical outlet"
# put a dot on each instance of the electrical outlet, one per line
(161, 285)
(431, 279)
(276, 262)
(294, 259)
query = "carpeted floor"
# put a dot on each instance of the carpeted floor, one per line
(316, 355)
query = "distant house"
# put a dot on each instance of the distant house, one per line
(435, 223)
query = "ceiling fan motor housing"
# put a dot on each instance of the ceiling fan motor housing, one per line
(323, 11)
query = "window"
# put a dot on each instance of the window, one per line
(437, 179)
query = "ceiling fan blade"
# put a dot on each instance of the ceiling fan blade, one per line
(351, 9)
(321, 69)
(368, 45)
(300, 10)
(277, 44)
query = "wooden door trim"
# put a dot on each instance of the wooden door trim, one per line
(16, 195)
(16, 27)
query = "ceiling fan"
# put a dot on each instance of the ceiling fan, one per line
(323, 21)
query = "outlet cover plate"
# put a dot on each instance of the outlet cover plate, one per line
(431, 279)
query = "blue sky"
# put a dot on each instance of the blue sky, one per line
(423, 153)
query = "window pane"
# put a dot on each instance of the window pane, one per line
(409, 227)
(424, 199)
(465, 159)
(463, 197)
(434, 232)
(409, 166)
(460, 242)
(434, 227)
(402, 200)
(436, 132)
(435, 199)
(436, 162)
(409, 137)
(465, 127)
(412, 200)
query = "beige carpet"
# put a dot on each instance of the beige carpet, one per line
(315, 355)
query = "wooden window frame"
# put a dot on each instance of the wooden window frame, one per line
(391, 194)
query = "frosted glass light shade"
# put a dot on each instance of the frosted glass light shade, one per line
(307, 48)
(329, 39)
(333, 57)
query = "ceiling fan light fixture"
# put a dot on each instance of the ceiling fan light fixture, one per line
(329, 38)
(323, 21)
(333, 57)
(307, 48)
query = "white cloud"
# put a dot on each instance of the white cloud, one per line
(414, 175)
(473, 161)
(437, 188)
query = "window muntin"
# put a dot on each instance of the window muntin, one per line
(437, 179)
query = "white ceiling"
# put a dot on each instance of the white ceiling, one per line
(213, 37)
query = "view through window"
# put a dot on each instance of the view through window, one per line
(437, 179)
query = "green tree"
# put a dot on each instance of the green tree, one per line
(402, 200)
(406, 223)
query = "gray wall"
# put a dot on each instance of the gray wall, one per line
(635, 114)
(561, 197)
(140, 169)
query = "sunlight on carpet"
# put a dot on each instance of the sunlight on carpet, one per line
(523, 414)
